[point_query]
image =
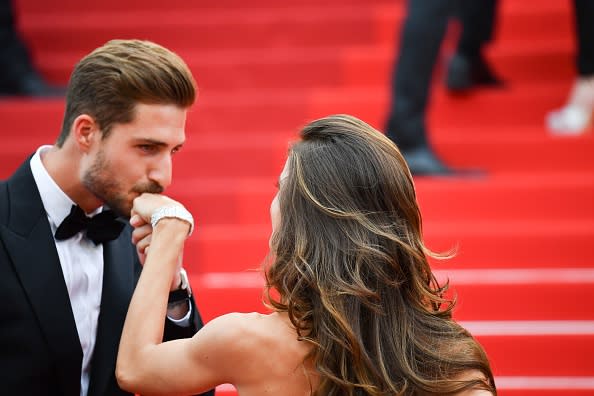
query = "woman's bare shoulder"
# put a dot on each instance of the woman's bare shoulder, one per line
(233, 324)
(242, 330)
(253, 334)
(233, 335)
(235, 318)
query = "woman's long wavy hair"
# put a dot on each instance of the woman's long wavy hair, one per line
(350, 269)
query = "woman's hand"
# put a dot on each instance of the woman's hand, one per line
(146, 204)
(143, 208)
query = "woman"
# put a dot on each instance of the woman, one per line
(356, 308)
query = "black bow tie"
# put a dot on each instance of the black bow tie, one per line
(100, 228)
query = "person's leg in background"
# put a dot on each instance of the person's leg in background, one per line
(421, 38)
(576, 116)
(468, 67)
(584, 14)
(17, 73)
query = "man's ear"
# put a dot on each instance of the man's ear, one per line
(85, 131)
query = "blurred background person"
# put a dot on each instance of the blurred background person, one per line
(576, 115)
(422, 34)
(18, 75)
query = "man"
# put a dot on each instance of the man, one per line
(66, 280)
(422, 34)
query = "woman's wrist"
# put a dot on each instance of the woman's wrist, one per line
(172, 224)
(177, 212)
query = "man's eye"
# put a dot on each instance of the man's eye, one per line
(147, 148)
(175, 150)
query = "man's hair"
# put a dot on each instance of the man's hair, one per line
(351, 270)
(109, 82)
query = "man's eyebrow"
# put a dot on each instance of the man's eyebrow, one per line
(150, 141)
(155, 142)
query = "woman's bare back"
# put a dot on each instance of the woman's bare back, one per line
(261, 355)
(277, 363)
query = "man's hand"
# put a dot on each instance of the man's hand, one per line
(141, 236)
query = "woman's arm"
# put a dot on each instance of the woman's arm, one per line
(145, 364)
(215, 355)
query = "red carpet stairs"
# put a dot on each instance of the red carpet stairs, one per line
(524, 272)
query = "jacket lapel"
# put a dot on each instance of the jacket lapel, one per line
(118, 285)
(29, 242)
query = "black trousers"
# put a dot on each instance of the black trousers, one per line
(584, 26)
(421, 37)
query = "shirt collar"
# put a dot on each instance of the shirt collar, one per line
(55, 201)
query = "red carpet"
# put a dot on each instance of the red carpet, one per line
(524, 272)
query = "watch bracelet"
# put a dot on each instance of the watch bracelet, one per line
(176, 212)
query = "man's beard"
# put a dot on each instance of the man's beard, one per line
(101, 180)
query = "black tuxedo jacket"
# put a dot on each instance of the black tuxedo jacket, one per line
(40, 352)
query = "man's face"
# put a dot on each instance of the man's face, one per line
(136, 157)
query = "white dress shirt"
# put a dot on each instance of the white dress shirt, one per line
(81, 261)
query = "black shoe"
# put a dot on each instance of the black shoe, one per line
(422, 162)
(30, 84)
(465, 73)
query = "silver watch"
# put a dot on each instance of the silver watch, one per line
(175, 211)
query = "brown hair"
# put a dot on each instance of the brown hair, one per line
(351, 271)
(111, 80)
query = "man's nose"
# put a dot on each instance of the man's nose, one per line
(162, 170)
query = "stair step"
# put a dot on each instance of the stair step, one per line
(530, 154)
(516, 21)
(243, 27)
(488, 108)
(288, 110)
(539, 348)
(481, 244)
(40, 7)
(331, 66)
(548, 386)
(521, 295)
(540, 355)
(570, 391)
(560, 196)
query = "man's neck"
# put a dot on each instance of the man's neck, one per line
(63, 165)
